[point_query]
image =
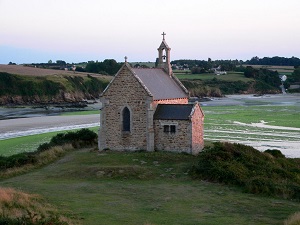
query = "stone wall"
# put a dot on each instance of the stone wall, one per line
(124, 91)
(180, 141)
(197, 130)
(170, 101)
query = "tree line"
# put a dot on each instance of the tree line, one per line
(202, 66)
(274, 61)
(107, 67)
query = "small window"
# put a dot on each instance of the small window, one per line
(126, 119)
(173, 129)
(170, 129)
(166, 128)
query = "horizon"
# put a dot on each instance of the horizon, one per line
(79, 31)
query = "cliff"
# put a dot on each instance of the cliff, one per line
(23, 89)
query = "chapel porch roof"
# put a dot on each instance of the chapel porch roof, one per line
(173, 111)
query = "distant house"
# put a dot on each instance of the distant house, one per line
(218, 71)
(147, 109)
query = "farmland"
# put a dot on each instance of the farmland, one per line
(32, 71)
(287, 70)
(230, 76)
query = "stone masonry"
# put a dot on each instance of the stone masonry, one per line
(129, 117)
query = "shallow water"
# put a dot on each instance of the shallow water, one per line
(43, 120)
(251, 100)
(13, 128)
(38, 111)
(261, 136)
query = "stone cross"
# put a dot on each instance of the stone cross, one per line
(163, 34)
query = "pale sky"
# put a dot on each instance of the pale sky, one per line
(83, 30)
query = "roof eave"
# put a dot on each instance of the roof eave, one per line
(126, 64)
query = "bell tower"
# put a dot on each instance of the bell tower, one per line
(164, 56)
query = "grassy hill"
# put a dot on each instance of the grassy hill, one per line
(32, 71)
(209, 84)
(144, 188)
(28, 85)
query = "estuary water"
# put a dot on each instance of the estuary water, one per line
(260, 134)
(17, 122)
(13, 128)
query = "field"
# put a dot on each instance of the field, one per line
(25, 70)
(230, 76)
(28, 143)
(144, 188)
(287, 70)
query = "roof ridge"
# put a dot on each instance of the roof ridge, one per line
(127, 65)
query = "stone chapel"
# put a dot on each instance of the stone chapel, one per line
(148, 109)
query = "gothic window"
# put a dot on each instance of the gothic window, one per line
(126, 119)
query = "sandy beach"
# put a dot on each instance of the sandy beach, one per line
(46, 123)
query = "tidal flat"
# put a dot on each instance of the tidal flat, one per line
(264, 122)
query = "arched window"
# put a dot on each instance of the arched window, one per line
(126, 119)
(164, 55)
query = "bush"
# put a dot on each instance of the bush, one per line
(275, 153)
(80, 138)
(259, 173)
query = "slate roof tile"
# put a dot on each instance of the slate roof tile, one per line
(159, 83)
(173, 111)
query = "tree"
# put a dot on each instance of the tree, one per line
(61, 62)
(108, 66)
(295, 77)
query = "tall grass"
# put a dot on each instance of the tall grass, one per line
(21, 208)
(47, 152)
(293, 219)
(39, 159)
(17, 207)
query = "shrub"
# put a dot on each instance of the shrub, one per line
(275, 153)
(80, 138)
(256, 172)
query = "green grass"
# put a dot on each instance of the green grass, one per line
(219, 125)
(287, 116)
(28, 143)
(144, 188)
(230, 76)
(80, 113)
